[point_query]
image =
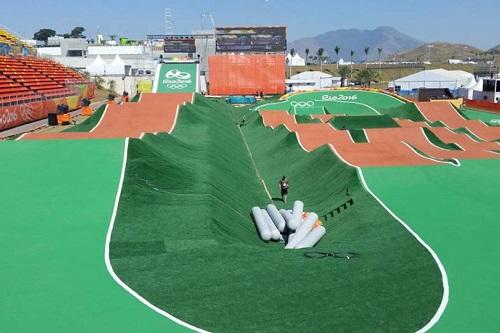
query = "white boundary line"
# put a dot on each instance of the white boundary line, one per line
(175, 120)
(366, 135)
(444, 276)
(100, 120)
(429, 141)
(21, 136)
(433, 159)
(108, 261)
(140, 97)
(157, 78)
(347, 102)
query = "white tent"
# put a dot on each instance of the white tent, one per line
(312, 80)
(435, 78)
(296, 60)
(96, 67)
(116, 67)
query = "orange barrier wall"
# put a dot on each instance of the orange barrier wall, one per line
(493, 107)
(16, 115)
(247, 74)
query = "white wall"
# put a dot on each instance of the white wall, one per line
(113, 50)
(129, 84)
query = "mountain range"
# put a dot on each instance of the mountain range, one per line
(388, 39)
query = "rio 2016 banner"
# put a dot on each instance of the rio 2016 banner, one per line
(251, 39)
(177, 78)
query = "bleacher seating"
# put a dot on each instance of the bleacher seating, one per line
(26, 79)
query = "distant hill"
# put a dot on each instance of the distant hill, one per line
(439, 52)
(387, 38)
(494, 50)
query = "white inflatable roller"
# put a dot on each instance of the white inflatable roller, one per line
(287, 215)
(302, 230)
(312, 238)
(261, 224)
(278, 220)
(297, 211)
(275, 234)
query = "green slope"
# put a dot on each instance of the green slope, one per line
(435, 140)
(57, 198)
(404, 111)
(455, 211)
(360, 122)
(184, 238)
(90, 122)
(488, 117)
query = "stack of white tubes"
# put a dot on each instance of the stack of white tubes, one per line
(298, 229)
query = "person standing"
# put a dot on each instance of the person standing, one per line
(284, 188)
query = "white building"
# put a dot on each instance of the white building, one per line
(312, 80)
(434, 78)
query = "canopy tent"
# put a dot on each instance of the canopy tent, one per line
(116, 67)
(296, 60)
(435, 78)
(96, 67)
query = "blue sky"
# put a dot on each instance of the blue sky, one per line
(470, 22)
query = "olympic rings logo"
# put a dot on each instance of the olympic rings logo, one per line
(177, 86)
(177, 74)
(302, 104)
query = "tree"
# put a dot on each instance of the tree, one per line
(366, 76)
(44, 34)
(352, 55)
(367, 50)
(379, 50)
(292, 54)
(307, 56)
(112, 37)
(99, 82)
(77, 32)
(337, 51)
(320, 53)
(112, 86)
(344, 72)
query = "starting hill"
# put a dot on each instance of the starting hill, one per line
(184, 238)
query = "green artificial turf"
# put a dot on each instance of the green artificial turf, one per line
(463, 130)
(184, 238)
(307, 111)
(57, 198)
(358, 135)
(90, 122)
(435, 123)
(437, 159)
(135, 99)
(435, 140)
(306, 120)
(404, 111)
(455, 210)
(360, 122)
(350, 102)
(489, 118)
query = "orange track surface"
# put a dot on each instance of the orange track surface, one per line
(444, 112)
(386, 146)
(154, 113)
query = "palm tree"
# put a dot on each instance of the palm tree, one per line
(320, 53)
(352, 55)
(307, 55)
(367, 50)
(99, 82)
(379, 50)
(292, 54)
(337, 51)
(344, 72)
